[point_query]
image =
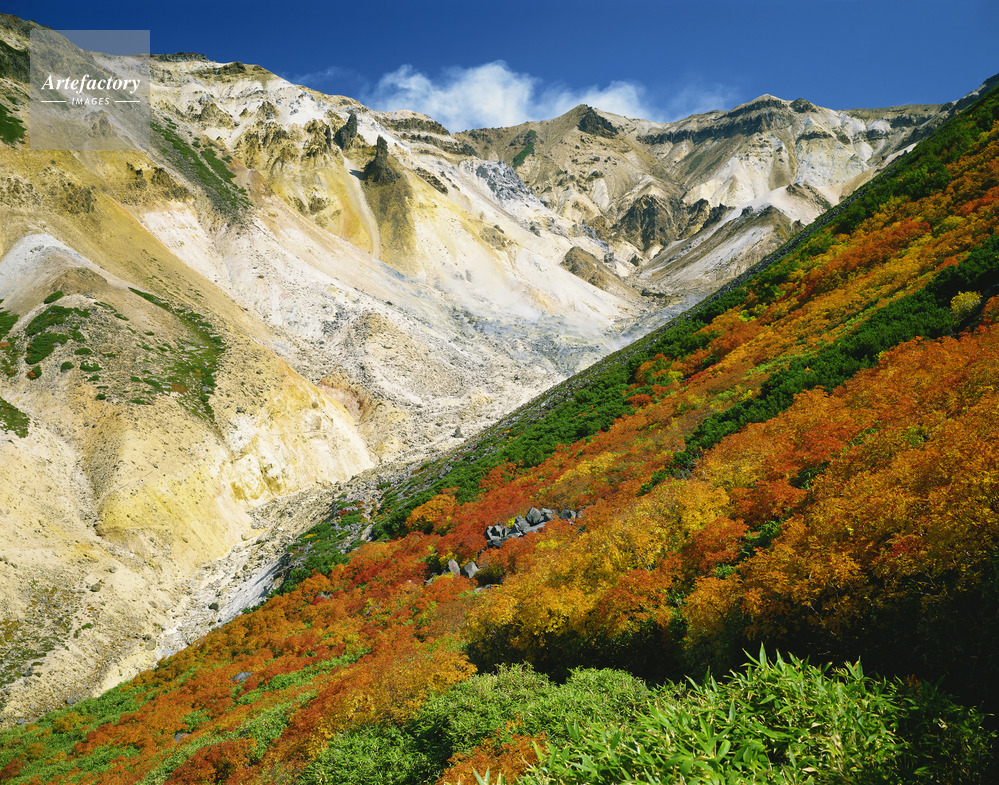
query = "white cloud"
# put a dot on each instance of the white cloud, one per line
(487, 95)
(328, 80)
(494, 95)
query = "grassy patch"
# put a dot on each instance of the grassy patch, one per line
(43, 342)
(204, 166)
(13, 419)
(189, 368)
(775, 722)
(8, 348)
(520, 157)
(11, 129)
(42, 346)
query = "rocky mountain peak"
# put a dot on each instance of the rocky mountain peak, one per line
(802, 106)
(180, 57)
(591, 122)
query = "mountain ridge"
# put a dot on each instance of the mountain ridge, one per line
(672, 247)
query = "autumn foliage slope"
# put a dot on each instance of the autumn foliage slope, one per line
(808, 462)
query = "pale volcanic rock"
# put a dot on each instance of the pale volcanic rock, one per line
(595, 168)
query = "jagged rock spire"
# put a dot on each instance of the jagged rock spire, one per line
(346, 133)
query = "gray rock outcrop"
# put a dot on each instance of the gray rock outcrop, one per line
(347, 132)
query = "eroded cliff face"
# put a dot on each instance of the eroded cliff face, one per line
(287, 289)
(135, 453)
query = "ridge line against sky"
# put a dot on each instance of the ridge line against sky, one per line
(486, 64)
(493, 95)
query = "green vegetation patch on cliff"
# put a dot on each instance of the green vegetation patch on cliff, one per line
(11, 128)
(204, 167)
(187, 367)
(13, 419)
(8, 347)
(520, 157)
(42, 340)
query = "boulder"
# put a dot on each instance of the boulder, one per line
(470, 569)
(453, 567)
(534, 516)
(497, 532)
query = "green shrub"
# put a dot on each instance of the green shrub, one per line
(203, 165)
(52, 316)
(780, 721)
(264, 728)
(43, 345)
(195, 719)
(7, 321)
(382, 754)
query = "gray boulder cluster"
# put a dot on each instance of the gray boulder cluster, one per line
(497, 534)
(534, 521)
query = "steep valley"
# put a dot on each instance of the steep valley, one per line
(203, 341)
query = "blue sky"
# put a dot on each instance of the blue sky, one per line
(472, 64)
